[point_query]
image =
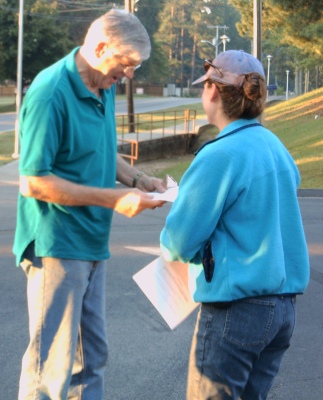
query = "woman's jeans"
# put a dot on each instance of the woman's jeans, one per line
(237, 348)
(68, 350)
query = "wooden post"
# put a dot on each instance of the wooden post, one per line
(129, 6)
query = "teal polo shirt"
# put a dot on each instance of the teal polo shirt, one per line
(65, 130)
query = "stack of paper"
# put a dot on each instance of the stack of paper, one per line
(169, 195)
(166, 286)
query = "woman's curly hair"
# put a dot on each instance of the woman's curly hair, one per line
(246, 99)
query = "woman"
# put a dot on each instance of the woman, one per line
(236, 220)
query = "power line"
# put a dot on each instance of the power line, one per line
(54, 17)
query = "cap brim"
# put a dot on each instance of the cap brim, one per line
(202, 79)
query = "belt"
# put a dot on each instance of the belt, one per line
(226, 304)
(219, 304)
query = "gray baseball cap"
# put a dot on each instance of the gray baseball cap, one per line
(228, 66)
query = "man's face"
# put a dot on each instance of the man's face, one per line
(114, 67)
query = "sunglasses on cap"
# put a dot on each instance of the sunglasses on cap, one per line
(208, 64)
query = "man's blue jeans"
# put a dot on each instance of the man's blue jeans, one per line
(237, 349)
(68, 350)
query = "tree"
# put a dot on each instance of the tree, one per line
(153, 70)
(292, 34)
(292, 30)
(183, 24)
(45, 38)
(298, 23)
(8, 36)
(302, 21)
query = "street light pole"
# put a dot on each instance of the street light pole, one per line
(19, 76)
(212, 44)
(287, 74)
(269, 57)
(225, 39)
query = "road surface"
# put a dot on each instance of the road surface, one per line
(147, 360)
(146, 104)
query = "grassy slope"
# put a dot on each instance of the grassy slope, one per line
(294, 123)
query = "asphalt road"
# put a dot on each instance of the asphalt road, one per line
(151, 104)
(148, 361)
(7, 122)
(141, 105)
(146, 104)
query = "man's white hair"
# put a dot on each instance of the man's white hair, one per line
(121, 30)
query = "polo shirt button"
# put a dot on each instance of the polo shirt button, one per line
(99, 105)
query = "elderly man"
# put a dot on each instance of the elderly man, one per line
(68, 169)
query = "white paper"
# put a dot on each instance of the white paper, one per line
(170, 194)
(166, 286)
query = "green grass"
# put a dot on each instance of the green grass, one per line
(6, 147)
(294, 123)
(5, 100)
(5, 108)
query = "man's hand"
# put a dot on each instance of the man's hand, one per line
(150, 184)
(134, 202)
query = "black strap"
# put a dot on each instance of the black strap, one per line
(227, 134)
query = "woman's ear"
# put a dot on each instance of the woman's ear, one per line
(215, 92)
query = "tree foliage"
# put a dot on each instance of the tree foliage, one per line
(182, 26)
(45, 38)
(292, 33)
(298, 23)
(155, 68)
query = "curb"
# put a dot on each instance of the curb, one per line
(310, 193)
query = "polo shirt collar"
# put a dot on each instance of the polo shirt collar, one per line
(74, 76)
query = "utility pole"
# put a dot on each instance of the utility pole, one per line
(216, 39)
(257, 11)
(182, 51)
(129, 6)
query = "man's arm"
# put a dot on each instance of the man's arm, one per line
(53, 189)
(126, 174)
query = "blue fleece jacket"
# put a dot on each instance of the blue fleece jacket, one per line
(240, 193)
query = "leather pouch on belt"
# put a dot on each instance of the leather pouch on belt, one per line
(208, 262)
